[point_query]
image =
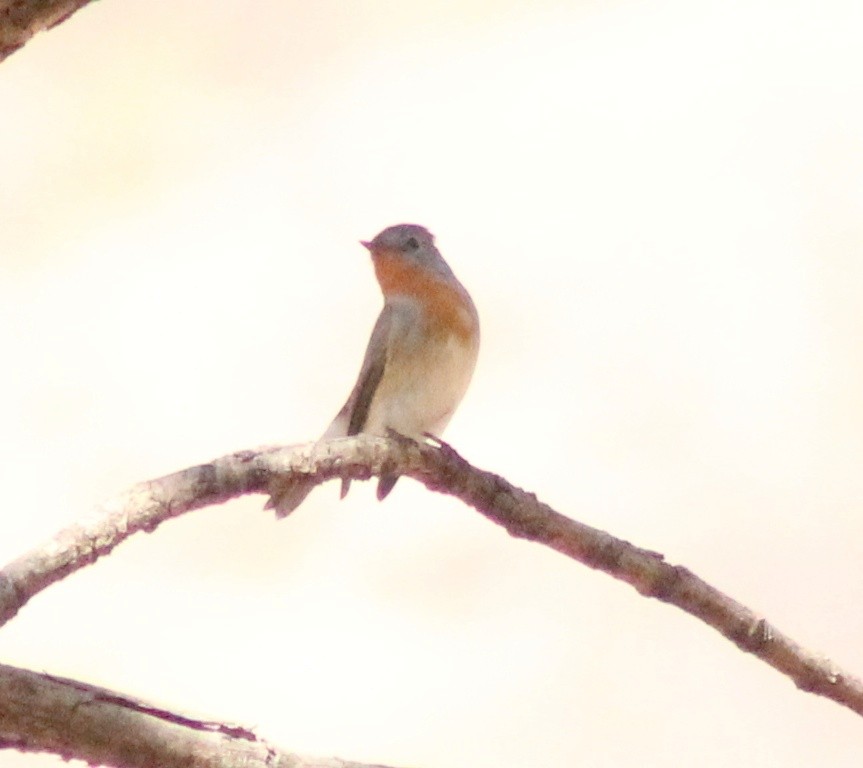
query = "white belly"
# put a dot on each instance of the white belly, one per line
(421, 388)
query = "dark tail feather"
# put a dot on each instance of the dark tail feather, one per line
(287, 497)
(385, 485)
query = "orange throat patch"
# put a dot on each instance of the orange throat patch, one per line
(447, 304)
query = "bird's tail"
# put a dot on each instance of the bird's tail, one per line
(286, 497)
(385, 485)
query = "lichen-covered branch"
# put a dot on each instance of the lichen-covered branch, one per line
(41, 713)
(21, 19)
(441, 469)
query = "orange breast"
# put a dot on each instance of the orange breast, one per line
(447, 304)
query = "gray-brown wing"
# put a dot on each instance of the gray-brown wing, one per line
(353, 416)
(354, 413)
(371, 372)
(351, 419)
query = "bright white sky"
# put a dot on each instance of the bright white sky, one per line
(658, 208)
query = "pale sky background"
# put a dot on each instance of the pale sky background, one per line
(658, 208)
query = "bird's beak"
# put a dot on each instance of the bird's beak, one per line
(366, 244)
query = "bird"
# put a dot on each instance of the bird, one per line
(420, 357)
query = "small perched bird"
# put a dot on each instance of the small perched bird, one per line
(420, 357)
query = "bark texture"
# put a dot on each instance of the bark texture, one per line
(41, 713)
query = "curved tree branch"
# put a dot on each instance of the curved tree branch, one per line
(21, 19)
(41, 713)
(147, 505)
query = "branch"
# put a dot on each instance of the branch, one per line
(21, 19)
(148, 504)
(41, 713)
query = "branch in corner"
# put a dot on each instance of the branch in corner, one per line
(41, 713)
(22, 19)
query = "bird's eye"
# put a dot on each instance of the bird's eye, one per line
(412, 244)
